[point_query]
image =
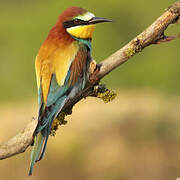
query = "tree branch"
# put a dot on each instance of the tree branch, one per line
(154, 34)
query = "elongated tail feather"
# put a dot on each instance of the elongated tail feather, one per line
(42, 133)
(48, 130)
(39, 142)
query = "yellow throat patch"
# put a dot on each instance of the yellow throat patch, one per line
(82, 31)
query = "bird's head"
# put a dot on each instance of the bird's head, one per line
(79, 23)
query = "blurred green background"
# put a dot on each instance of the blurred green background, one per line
(135, 137)
(25, 24)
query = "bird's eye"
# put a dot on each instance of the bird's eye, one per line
(77, 21)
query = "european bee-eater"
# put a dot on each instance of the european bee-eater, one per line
(62, 70)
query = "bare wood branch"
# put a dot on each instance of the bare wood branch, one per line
(18, 143)
(154, 34)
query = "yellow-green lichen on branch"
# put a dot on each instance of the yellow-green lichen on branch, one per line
(130, 52)
(60, 120)
(105, 94)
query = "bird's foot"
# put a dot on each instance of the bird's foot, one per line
(93, 70)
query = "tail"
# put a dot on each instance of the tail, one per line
(42, 133)
(39, 142)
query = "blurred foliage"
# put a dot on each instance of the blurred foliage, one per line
(25, 24)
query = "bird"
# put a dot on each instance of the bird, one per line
(62, 70)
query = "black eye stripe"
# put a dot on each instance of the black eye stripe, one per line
(68, 24)
(74, 22)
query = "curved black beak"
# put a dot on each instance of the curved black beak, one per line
(96, 20)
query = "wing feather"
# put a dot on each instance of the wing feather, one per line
(57, 62)
(78, 65)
